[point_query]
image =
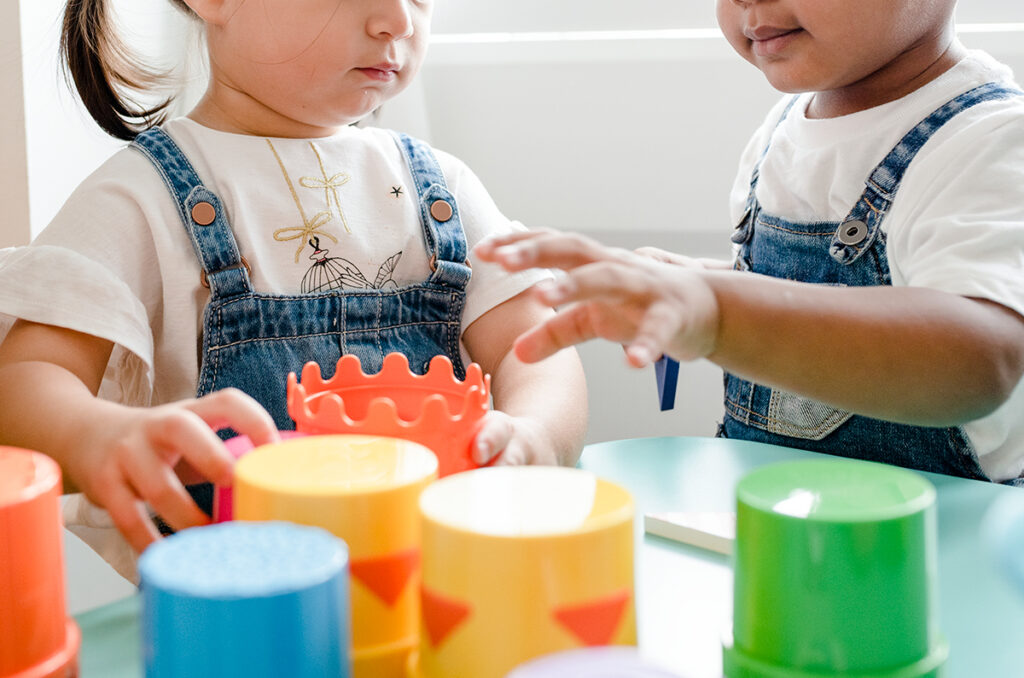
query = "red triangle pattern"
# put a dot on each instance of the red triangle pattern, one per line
(441, 615)
(386, 576)
(595, 622)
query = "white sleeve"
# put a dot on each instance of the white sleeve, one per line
(92, 270)
(961, 227)
(490, 284)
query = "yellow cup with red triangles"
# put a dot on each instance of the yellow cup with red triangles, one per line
(519, 562)
(364, 489)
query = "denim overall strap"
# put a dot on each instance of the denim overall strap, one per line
(742, 229)
(859, 229)
(443, 233)
(807, 251)
(214, 242)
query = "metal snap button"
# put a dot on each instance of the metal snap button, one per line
(743, 220)
(441, 210)
(203, 213)
(852, 232)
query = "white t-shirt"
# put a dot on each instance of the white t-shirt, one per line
(957, 221)
(116, 262)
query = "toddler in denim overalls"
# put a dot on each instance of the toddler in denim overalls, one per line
(875, 306)
(220, 251)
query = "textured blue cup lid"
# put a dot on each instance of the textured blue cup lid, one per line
(238, 559)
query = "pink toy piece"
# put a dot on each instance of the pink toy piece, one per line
(223, 496)
(434, 409)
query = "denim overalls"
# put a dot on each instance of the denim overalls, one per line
(251, 341)
(850, 252)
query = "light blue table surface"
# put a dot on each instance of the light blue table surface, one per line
(684, 594)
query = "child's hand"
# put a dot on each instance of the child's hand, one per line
(650, 306)
(132, 458)
(517, 440)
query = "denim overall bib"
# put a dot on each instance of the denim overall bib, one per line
(852, 253)
(251, 341)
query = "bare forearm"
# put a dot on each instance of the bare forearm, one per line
(44, 407)
(905, 354)
(551, 393)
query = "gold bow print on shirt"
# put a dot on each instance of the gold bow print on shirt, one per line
(310, 227)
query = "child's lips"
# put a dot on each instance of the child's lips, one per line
(384, 72)
(770, 40)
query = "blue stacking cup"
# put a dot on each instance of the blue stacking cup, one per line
(259, 600)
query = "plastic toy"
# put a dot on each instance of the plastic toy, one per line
(259, 600)
(519, 562)
(434, 409)
(37, 638)
(364, 489)
(834, 567)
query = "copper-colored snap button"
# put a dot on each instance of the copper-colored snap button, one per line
(441, 210)
(203, 213)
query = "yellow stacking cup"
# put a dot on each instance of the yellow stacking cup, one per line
(519, 562)
(365, 490)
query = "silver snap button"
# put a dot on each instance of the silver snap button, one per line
(743, 220)
(441, 210)
(852, 232)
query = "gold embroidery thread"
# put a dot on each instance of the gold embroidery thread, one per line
(310, 227)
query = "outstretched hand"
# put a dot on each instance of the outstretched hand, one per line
(651, 306)
(132, 460)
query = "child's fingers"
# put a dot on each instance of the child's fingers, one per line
(184, 435)
(493, 437)
(553, 250)
(653, 335)
(486, 247)
(570, 326)
(131, 517)
(237, 409)
(159, 486)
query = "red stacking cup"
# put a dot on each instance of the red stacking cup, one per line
(37, 638)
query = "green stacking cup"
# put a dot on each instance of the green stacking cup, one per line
(834, 573)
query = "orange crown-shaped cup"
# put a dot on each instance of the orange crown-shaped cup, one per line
(435, 409)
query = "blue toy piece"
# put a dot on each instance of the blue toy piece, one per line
(252, 600)
(667, 371)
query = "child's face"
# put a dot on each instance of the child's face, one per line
(320, 63)
(825, 45)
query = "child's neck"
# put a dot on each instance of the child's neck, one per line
(912, 70)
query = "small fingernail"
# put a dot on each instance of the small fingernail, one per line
(511, 255)
(641, 354)
(552, 291)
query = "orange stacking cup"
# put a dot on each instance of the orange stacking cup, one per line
(37, 638)
(435, 409)
(365, 490)
(520, 562)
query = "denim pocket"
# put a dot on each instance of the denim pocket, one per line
(798, 417)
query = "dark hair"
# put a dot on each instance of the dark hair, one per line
(104, 73)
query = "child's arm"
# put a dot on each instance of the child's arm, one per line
(906, 354)
(540, 412)
(118, 456)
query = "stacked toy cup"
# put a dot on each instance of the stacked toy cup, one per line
(246, 600)
(835, 573)
(520, 562)
(365, 490)
(224, 495)
(434, 409)
(37, 638)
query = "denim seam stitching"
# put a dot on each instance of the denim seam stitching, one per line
(340, 333)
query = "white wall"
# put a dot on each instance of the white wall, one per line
(14, 215)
